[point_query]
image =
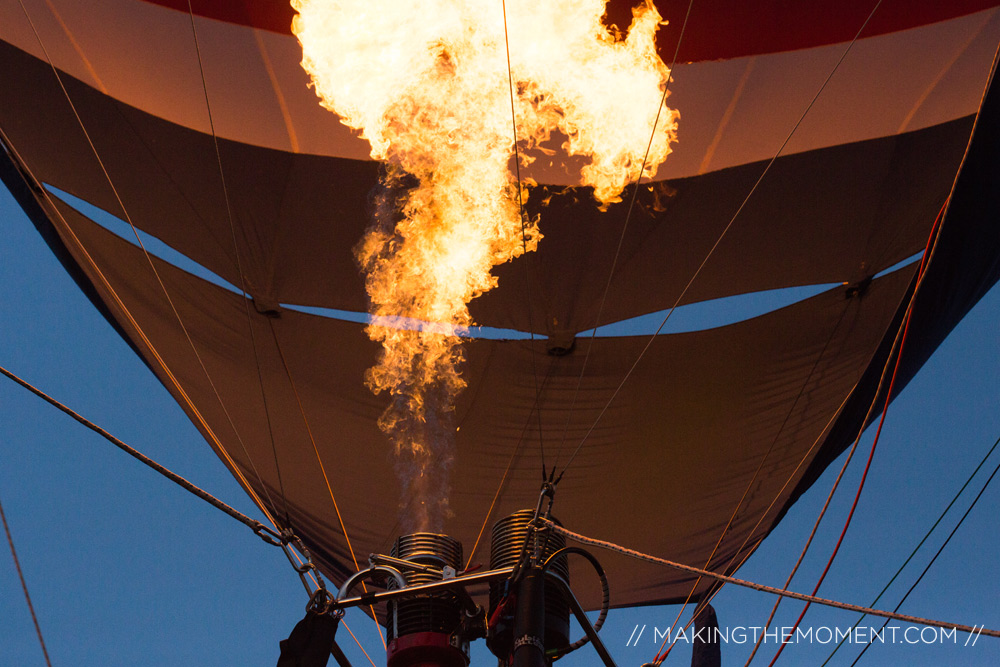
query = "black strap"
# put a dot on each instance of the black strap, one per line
(310, 643)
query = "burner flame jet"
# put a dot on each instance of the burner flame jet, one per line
(426, 84)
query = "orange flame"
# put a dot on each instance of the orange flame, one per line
(426, 83)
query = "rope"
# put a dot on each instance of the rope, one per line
(24, 586)
(262, 531)
(56, 217)
(702, 604)
(836, 483)
(346, 627)
(638, 555)
(925, 260)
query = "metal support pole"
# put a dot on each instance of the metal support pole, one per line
(339, 656)
(529, 620)
(585, 623)
(434, 587)
(337, 652)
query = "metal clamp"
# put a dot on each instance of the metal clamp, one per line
(289, 539)
(320, 603)
(266, 534)
(529, 640)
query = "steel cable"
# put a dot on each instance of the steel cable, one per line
(24, 587)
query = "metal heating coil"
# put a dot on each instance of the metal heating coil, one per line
(431, 612)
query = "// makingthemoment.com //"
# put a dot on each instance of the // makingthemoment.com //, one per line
(824, 634)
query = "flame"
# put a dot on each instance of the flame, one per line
(426, 83)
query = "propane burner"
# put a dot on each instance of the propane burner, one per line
(431, 616)
(506, 548)
(427, 629)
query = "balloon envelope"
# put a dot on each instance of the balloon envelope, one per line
(797, 166)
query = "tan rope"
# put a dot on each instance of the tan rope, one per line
(638, 555)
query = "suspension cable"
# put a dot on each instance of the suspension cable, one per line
(840, 475)
(895, 350)
(929, 252)
(35, 185)
(239, 264)
(322, 468)
(305, 566)
(354, 637)
(916, 549)
(524, 242)
(24, 586)
(718, 241)
(621, 237)
(253, 342)
(746, 491)
(940, 549)
(163, 288)
(700, 607)
(791, 476)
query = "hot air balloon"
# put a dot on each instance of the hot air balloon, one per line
(838, 157)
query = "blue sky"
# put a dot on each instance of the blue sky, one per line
(125, 568)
